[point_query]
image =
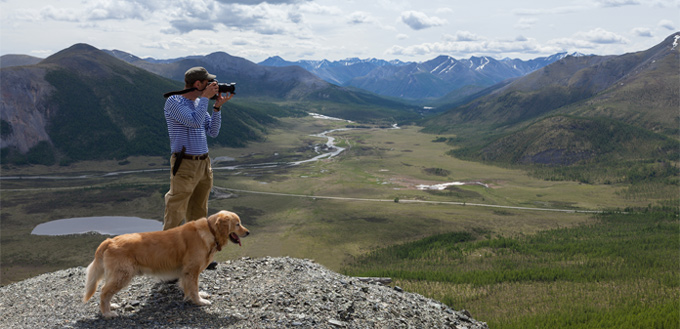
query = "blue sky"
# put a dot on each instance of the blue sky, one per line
(338, 29)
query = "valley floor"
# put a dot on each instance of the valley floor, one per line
(324, 210)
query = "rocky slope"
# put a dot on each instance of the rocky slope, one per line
(247, 293)
(24, 106)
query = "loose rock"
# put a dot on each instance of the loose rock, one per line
(247, 293)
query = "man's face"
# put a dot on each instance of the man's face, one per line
(202, 84)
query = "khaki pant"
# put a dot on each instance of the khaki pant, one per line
(189, 192)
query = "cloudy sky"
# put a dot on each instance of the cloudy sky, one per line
(410, 30)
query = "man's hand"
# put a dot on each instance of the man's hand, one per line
(210, 90)
(221, 99)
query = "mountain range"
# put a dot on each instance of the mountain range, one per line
(419, 81)
(577, 110)
(88, 103)
(416, 82)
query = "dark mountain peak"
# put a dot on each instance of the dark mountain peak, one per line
(81, 47)
(275, 61)
(479, 63)
(75, 50)
(576, 54)
(441, 58)
(222, 54)
(222, 60)
(324, 63)
(86, 60)
(480, 58)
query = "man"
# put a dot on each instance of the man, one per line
(186, 114)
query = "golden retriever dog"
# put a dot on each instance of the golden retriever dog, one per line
(179, 253)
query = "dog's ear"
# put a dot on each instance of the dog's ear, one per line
(214, 219)
(220, 223)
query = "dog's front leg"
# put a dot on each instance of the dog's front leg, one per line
(189, 284)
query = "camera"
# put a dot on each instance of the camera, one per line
(224, 87)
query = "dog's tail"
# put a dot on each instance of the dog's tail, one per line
(95, 272)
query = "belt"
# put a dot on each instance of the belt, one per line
(194, 157)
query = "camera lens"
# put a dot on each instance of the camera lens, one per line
(227, 87)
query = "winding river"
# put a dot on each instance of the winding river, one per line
(330, 150)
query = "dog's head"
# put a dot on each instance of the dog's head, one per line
(228, 226)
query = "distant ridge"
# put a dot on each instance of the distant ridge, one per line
(575, 111)
(18, 60)
(336, 72)
(418, 81)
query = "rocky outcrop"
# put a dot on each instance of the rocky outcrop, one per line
(247, 293)
(24, 106)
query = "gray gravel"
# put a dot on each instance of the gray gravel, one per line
(246, 293)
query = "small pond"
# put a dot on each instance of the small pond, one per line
(107, 225)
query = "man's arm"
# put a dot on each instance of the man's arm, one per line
(187, 115)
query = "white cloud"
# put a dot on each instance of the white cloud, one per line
(263, 18)
(59, 14)
(617, 3)
(588, 41)
(444, 11)
(601, 36)
(101, 10)
(642, 32)
(257, 2)
(667, 24)
(360, 17)
(548, 11)
(315, 8)
(480, 47)
(186, 25)
(526, 23)
(572, 43)
(296, 17)
(462, 36)
(418, 20)
(104, 10)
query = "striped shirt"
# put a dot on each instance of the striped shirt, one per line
(189, 123)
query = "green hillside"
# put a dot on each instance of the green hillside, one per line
(619, 272)
(587, 149)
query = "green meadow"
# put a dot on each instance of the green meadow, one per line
(513, 249)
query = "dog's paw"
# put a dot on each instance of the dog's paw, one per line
(203, 294)
(203, 302)
(110, 314)
(114, 306)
